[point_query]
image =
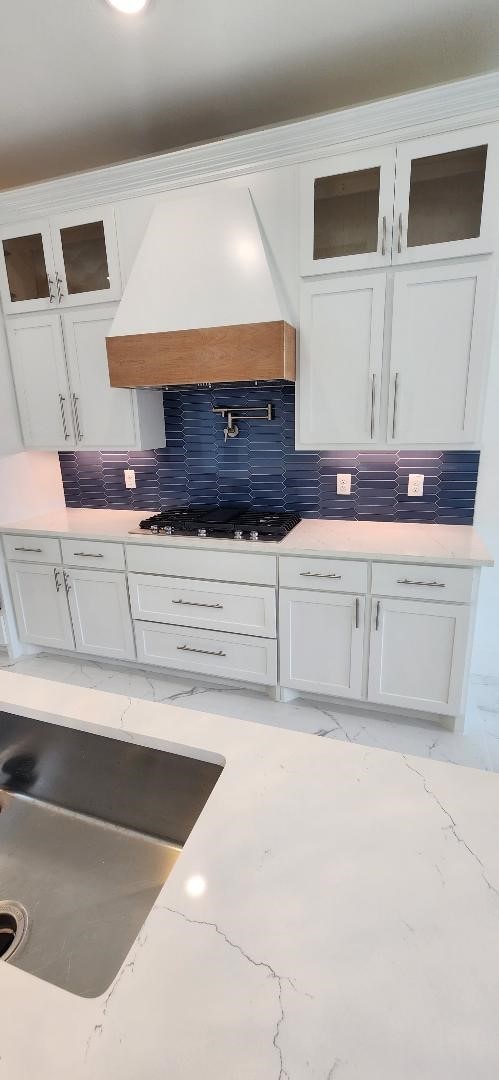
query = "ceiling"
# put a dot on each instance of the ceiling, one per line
(82, 86)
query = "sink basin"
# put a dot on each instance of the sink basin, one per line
(90, 828)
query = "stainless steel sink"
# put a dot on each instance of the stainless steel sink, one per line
(90, 828)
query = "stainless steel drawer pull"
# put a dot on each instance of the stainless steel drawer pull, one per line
(197, 603)
(431, 584)
(203, 652)
(62, 406)
(39, 551)
(57, 579)
(89, 554)
(313, 573)
(76, 407)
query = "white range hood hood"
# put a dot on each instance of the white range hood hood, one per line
(202, 303)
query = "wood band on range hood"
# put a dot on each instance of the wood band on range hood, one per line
(265, 351)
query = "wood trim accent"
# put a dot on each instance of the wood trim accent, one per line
(263, 351)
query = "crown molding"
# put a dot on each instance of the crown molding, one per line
(434, 109)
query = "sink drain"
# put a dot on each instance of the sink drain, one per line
(13, 927)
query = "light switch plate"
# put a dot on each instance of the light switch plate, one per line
(130, 478)
(415, 484)
(343, 483)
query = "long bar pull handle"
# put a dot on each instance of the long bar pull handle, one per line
(62, 403)
(58, 279)
(429, 584)
(38, 550)
(58, 583)
(357, 613)
(51, 286)
(197, 603)
(383, 236)
(373, 401)
(395, 403)
(203, 652)
(401, 229)
(378, 610)
(76, 406)
(312, 573)
(89, 554)
(67, 580)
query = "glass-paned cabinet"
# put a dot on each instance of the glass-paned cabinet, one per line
(69, 260)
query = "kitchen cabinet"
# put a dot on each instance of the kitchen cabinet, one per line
(397, 362)
(60, 370)
(341, 358)
(427, 198)
(417, 654)
(40, 604)
(321, 642)
(64, 261)
(98, 602)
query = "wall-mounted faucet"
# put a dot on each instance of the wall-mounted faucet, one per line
(235, 412)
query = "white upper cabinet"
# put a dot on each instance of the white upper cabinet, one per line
(103, 415)
(67, 261)
(430, 198)
(347, 211)
(41, 382)
(342, 322)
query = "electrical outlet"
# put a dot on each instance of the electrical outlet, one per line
(130, 478)
(415, 484)
(343, 483)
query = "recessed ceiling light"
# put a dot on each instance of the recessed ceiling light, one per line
(128, 7)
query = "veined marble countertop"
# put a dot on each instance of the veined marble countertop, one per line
(348, 931)
(446, 545)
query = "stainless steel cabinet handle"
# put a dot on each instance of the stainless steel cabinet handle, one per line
(89, 554)
(373, 401)
(378, 609)
(383, 236)
(62, 403)
(395, 402)
(203, 652)
(401, 227)
(430, 584)
(58, 583)
(51, 286)
(312, 573)
(76, 407)
(60, 293)
(357, 613)
(38, 550)
(67, 580)
(197, 603)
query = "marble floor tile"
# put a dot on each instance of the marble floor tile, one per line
(478, 747)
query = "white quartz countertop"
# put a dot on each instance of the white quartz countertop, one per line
(348, 930)
(446, 545)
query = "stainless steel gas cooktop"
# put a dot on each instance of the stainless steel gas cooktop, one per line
(230, 522)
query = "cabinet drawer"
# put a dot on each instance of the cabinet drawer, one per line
(422, 582)
(93, 553)
(232, 655)
(339, 575)
(196, 563)
(242, 609)
(42, 549)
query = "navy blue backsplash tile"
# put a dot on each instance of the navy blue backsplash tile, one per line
(262, 469)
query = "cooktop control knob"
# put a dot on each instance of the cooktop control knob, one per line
(253, 535)
(202, 532)
(238, 534)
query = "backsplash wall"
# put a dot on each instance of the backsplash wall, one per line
(261, 468)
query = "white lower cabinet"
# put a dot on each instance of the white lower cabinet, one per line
(41, 605)
(98, 601)
(417, 654)
(321, 642)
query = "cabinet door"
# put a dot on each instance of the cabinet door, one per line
(346, 211)
(440, 340)
(103, 416)
(27, 280)
(41, 606)
(444, 196)
(39, 369)
(86, 256)
(341, 355)
(417, 654)
(321, 642)
(100, 611)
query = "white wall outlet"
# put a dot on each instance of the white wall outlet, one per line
(130, 478)
(415, 484)
(343, 483)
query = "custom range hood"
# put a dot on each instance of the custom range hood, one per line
(203, 302)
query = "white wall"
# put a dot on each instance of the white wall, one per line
(486, 650)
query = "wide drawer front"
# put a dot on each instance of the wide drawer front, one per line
(422, 582)
(210, 565)
(242, 609)
(93, 553)
(42, 549)
(232, 655)
(338, 575)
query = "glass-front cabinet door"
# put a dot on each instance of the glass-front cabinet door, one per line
(346, 211)
(27, 274)
(443, 195)
(86, 257)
